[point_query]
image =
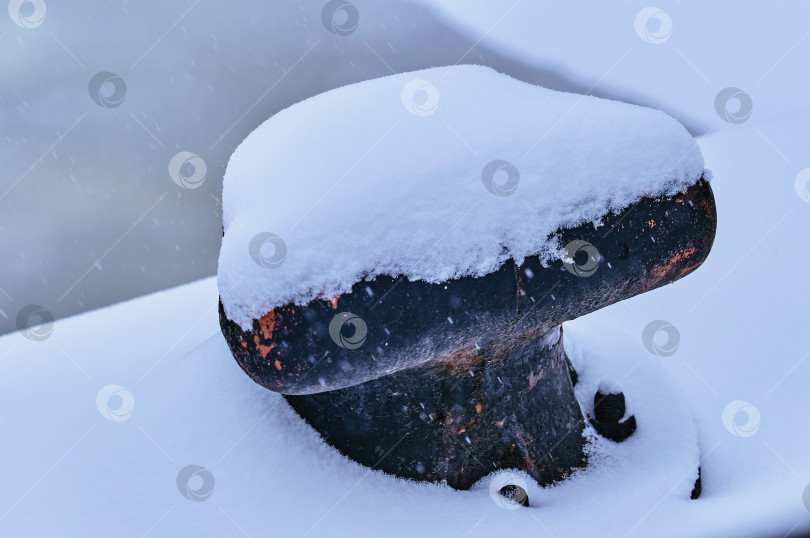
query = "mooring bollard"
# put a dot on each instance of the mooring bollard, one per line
(452, 381)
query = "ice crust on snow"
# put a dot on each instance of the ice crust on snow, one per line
(390, 176)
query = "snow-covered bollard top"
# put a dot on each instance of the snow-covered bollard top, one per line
(395, 176)
(384, 224)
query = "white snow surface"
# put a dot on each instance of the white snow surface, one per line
(698, 48)
(67, 470)
(387, 177)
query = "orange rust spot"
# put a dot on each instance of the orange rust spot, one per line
(463, 429)
(651, 223)
(661, 271)
(461, 362)
(333, 301)
(500, 422)
(686, 270)
(479, 408)
(683, 255)
(266, 324)
(278, 364)
(263, 350)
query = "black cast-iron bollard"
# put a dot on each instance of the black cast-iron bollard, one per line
(451, 381)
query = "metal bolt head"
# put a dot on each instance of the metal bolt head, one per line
(515, 494)
(609, 407)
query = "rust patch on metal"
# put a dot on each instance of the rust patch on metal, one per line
(262, 349)
(660, 272)
(267, 323)
(461, 362)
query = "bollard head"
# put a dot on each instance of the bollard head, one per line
(334, 271)
(391, 323)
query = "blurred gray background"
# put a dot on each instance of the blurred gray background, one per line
(89, 215)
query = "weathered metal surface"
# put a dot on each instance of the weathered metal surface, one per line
(509, 405)
(408, 323)
(452, 381)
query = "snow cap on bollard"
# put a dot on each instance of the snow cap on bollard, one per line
(420, 216)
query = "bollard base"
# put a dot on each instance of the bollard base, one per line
(510, 405)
